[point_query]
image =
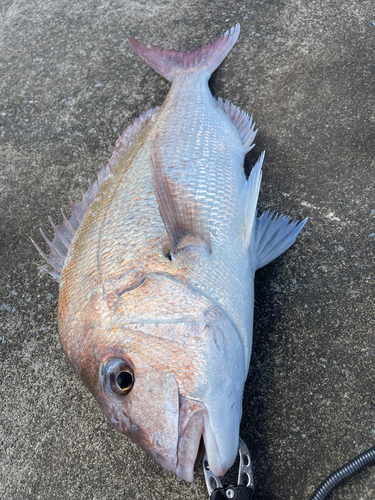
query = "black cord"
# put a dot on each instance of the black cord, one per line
(343, 473)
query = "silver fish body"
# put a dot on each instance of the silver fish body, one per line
(157, 287)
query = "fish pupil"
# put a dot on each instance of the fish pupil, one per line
(124, 380)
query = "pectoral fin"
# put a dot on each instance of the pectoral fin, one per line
(181, 214)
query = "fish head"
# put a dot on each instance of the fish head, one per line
(171, 386)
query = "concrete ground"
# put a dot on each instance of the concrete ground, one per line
(69, 83)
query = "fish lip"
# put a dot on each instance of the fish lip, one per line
(212, 451)
(191, 423)
(195, 435)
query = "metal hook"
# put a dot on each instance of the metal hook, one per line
(245, 475)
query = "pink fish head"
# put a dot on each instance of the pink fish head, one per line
(171, 385)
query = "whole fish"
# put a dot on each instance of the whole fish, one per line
(156, 269)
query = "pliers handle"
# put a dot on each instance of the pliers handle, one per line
(245, 483)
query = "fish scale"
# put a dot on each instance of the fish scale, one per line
(219, 181)
(135, 244)
(156, 269)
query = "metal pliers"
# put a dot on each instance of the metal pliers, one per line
(245, 483)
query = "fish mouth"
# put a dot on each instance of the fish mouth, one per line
(195, 435)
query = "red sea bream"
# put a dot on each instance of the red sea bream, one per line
(156, 269)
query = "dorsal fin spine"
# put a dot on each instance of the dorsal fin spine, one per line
(65, 232)
(53, 247)
(67, 223)
(58, 234)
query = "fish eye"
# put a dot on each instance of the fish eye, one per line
(124, 380)
(118, 377)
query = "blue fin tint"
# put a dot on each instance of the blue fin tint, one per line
(250, 195)
(272, 236)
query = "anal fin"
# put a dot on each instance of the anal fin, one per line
(182, 218)
(242, 121)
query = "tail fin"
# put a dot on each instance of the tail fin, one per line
(169, 62)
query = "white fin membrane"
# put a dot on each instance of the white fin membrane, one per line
(242, 121)
(250, 196)
(272, 235)
(64, 233)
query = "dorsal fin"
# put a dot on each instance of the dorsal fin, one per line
(65, 232)
(180, 213)
(242, 121)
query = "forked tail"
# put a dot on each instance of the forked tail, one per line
(170, 62)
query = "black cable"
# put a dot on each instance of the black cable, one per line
(343, 473)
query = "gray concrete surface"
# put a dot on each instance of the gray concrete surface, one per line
(69, 83)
